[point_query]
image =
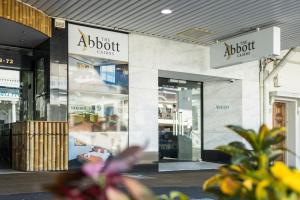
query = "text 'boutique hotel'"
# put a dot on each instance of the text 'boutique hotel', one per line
(72, 92)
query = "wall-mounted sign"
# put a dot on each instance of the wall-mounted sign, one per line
(6, 60)
(250, 47)
(9, 78)
(98, 43)
(10, 92)
(222, 107)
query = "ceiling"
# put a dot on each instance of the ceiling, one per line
(16, 34)
(224, 18)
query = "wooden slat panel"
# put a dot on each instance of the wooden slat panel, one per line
(57, 163)
(61, 135)
(53, 152)
(45, 150)
(26, 15)
(50, 160)
(27, 149)
(66, 146)
(40, 146)
(31, 146)
(23, 146)
(36, 147)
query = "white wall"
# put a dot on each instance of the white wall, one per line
(147, 55)
(288, 92)
(222, 106)
(242, 97)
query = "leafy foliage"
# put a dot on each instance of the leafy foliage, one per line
(102, 180)
(255, 173)
(105, 181)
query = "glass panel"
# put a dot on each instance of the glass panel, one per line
(26, 96)
(57, 109)
(40, 76)
(9, 96)
(9, 111)
(40, 96)
(179, 119)
(98, 108)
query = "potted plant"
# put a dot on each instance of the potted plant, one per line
(255, 173)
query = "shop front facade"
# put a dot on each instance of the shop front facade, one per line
(116, 89)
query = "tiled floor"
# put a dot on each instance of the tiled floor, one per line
(9, 171)
(17, 183)
(179, 166)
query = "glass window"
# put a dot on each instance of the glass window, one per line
(40, 76)
(98, 108)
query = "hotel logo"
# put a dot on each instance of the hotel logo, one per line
(104, 45)
(240, 49)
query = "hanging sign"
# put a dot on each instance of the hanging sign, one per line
(250, 47)
(98, 43)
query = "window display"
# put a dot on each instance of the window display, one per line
(98, 108)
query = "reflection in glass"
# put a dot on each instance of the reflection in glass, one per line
(40, 76)
(98, 107)
(9, 96)
(57, 109)
(40, 96)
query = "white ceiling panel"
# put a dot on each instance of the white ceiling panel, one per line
(224, 18)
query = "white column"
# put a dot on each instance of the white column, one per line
(13, 112)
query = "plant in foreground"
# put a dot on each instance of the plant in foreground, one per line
(104, 181)
(256, 173)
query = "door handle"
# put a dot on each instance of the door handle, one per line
(176, 123)
(181, 124)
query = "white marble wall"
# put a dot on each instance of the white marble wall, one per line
(147, 55)
(222, 106)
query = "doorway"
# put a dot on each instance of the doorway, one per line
(16, 95)
(179, 120)
(16, 104)
(279, 120)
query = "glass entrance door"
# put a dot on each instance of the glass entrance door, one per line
(16, 102)
(179, 119)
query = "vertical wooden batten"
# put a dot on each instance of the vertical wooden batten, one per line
(40, 145)
(24, 14)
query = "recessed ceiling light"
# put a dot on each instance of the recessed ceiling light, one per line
(166, 11)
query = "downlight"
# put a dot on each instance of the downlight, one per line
(166, 11)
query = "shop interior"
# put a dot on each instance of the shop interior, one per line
(179, 118)
(98, 107)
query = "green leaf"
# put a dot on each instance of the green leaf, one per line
(275, 154)
(269, 141)
(178, 195)
(263, 133)
(237, 144)
(248, 135)
(276, 131)
(239, 159)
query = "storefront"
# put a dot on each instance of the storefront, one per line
(22, 69)
(116, 89)
(97, 93)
